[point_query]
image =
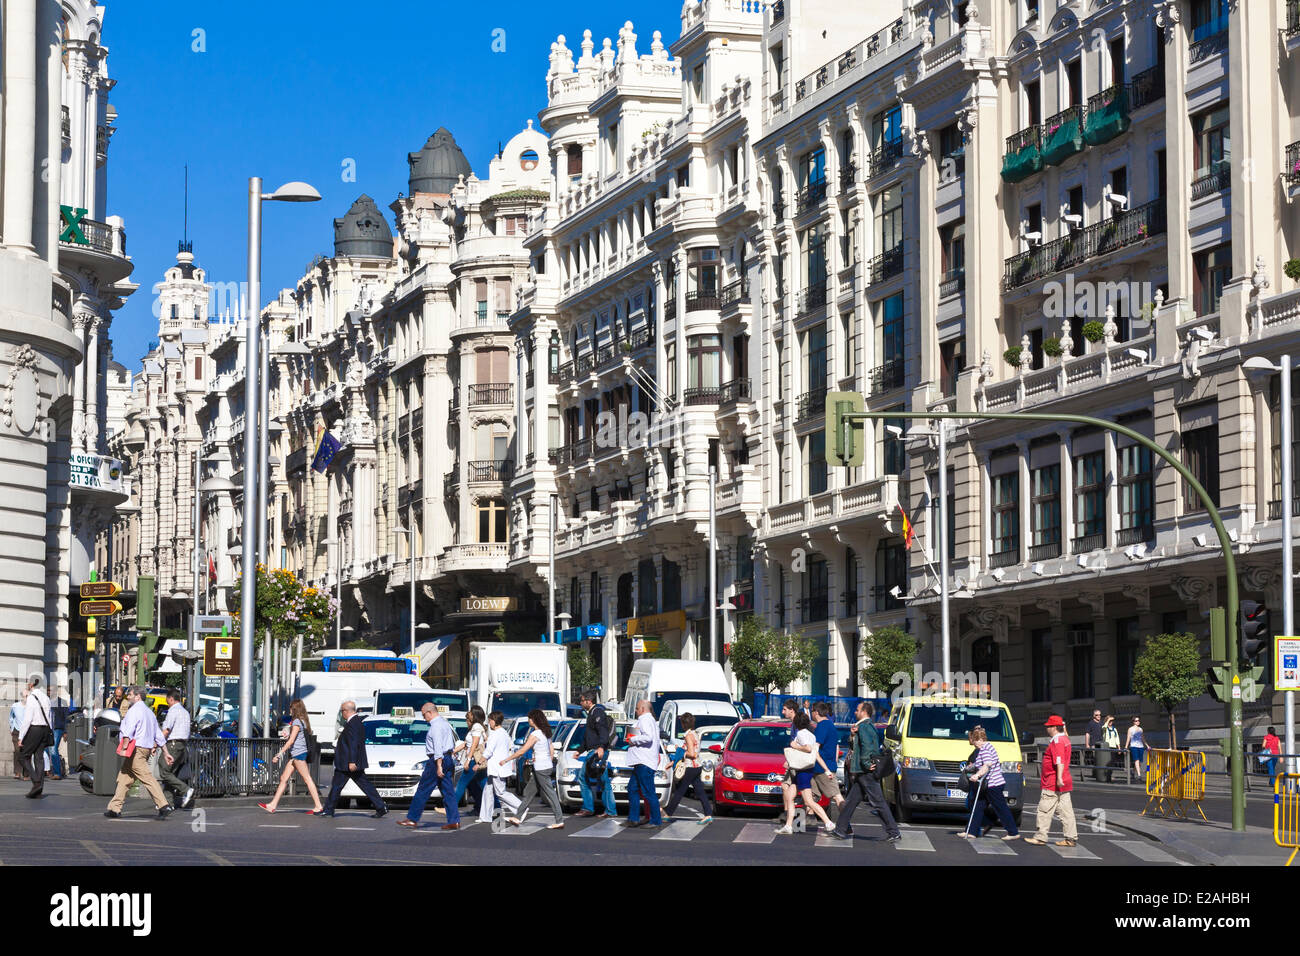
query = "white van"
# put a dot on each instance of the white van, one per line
(516, 678)
(660, 681)
(352, 675)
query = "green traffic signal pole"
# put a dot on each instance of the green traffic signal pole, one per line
(843, 441)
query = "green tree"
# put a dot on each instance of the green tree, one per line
(663, 652)
(1168, 673)
(584, 672)
(769, 659)
(889, 651)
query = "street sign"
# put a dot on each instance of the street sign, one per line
(1286, 662)
(644, 645)
(119, 637)
(221, 657)
(100, 608)
(100, 589)
(572, 635)
(213, 623)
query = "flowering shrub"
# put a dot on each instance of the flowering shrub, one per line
(288, 608)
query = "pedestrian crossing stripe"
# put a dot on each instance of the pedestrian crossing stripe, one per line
(1074, 852)
(680, 830)
(915, 840)
(991, 846)
(602, 830)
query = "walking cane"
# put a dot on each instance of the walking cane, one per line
(975, 804)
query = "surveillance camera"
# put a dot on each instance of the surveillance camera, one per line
(1204, 334)
(1118, 201)
(1083, 560)
(1198, 540)
(894, 430)
(999, 574)
(1139, 354)
(896, 592)
(1037, 568)
(1034, 238)
(1073, 218)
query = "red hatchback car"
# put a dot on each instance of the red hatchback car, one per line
(752, 765)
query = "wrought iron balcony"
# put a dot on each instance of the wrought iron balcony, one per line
(1147, 87)
(1004, 559)
(812, 404)
(501, 393)
(1291, 170)
(737, 291)
(1275, 509)
(848, 177)
(1135, 535)
(702, 395)
(812, 298)
(1211, 45)
(778, 11)
(886, 157)
(734, 391)
(528, 379)
(1216, 180)
(1109, 235)
(700, 300)
(670, 308)
(1088, 542)
(1042, 552)
(491, 470)
(812, 195)
(953, 281)
(887, 376)
(887, 265)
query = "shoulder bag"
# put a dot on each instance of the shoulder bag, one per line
(964, 781)
(799, 760)
(679, 768)
(883, 765)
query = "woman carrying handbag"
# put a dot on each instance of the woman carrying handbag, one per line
(687, 771)
(988, 780)
(473, 773)
(801, 758)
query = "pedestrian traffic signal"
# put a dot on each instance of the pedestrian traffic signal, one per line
(1218, 683)
(1254, 632)
(845, 439)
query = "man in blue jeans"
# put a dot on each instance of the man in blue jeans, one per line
(59, 724)
(439, 771)
(644, 749)
(594, 740)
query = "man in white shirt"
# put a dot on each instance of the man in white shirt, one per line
(643, 759)
(176, 728)
(139, 725)
(36, 734)
(439, 771)
(16, 711)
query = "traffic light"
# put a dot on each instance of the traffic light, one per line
(144, 603)
(1254, 632)
(1218, 683)
(845, 440)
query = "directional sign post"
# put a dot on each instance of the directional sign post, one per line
(100, 608)
(221, 657)
(101, 589)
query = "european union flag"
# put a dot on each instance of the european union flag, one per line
(326, 449)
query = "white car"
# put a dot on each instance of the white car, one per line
(568, 767)
(395, 757)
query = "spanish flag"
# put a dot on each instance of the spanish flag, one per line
(907, 528)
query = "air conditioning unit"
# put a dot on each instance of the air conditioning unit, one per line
(1078, 638)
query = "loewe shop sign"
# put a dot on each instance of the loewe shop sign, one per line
(488, 604)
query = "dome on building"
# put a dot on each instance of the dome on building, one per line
(438, 166)
(363, 232)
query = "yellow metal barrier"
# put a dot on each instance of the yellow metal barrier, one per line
(1286, 813)
(1175, 778)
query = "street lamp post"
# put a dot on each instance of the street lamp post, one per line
(410, 532)
(550, 573)
(338, 587)
(713, 563)
(290, 192)
(201, 487)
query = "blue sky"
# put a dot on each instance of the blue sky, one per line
(290, 90)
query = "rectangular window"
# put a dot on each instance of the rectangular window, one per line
(895, 451)
(1117, 60)
(492, 521)
(891, 573)
(932, 526)
(1079, 639)
(849, 342)
(889, 219)
(887, 127)
(1201, 456)
(850, 584)
(1040, 654)
(1074, 82)
(1135, 492)
(816, 590)
(815, 355)
(812, 245)
(1046, 511)
(1034, 102)
(670, 368)
(952, 362)
(815, 456)
(1126, 652)
(891, 330)
(1089, 502)
(1209, 17)
(704, 368)
(647, 599)
(1211, 271)
(1006, 516)
(812, 168)
(1211, 140)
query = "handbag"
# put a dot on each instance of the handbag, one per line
(126, 747)
(679, 768)
(964, 778)
(883, 765)
(799, 760)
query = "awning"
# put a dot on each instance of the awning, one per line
(430, 651)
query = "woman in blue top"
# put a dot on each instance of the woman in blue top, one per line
(1136, 744)
(295, 744)
(988, 780)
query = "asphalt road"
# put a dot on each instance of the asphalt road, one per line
(67, 826)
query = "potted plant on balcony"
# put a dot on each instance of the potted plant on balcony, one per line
(1052, 347)
(1094, 331)
(1292, 267)
(1144, 231)
(1012, 356)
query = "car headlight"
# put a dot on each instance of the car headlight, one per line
(569, 776)
(915, 763)
(1012, 766)
(731, 773)
(661, 776)
(774, 778)
(420, 765)
(707, 764)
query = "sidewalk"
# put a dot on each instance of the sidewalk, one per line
(1214, 844)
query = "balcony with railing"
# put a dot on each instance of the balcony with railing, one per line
(1023, 155)
(1216, 180)
(702, 395)
(91, 234)
(1275, 509)
(1087, 542)
(1147, 87)
(811, 196)
(1107, 115)
(778, 11)
(811, 299)
(699, 300)
(886, 265)
(529, 379)
(848, 177)
(1135, 535)
(887, 376)
(886, 157)
(1292, 28)
(670, 308)
(1109, 235)
(1063, 135)
(734, 292)
(1004, 559)
(812, 404)
(875, 498)
(1045, 551)
(1291, 168)
(579, 450)
(953, 282)
(1208, 46)
(502, 470)
(498, 393)
(736, 390)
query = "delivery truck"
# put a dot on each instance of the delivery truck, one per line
(517, 678)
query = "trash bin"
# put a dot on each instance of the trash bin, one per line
(107, 762)
(77, 738)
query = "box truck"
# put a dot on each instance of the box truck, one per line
(517, 678)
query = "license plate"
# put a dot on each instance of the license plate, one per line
(956, 794)
(620, 788)
(392, 793)
(767, 788)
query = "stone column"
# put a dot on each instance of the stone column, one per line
(1067, 491)
(80, 320)
(92, 383)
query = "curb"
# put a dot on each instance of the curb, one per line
(1171, 837)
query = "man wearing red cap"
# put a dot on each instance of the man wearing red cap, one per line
(1056, 787)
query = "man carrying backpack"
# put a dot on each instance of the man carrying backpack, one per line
(868, 761)
(595, 746)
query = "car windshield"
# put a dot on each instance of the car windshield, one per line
(761, 740)
(713, 736)
(620, 738)
(713, 720)
(954, 721)
(393, 733)
(458, 724)
(519, 703)
(416, 699)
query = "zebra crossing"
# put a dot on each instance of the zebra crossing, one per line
(914, 839)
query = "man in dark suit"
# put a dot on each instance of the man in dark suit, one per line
(350, 763)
